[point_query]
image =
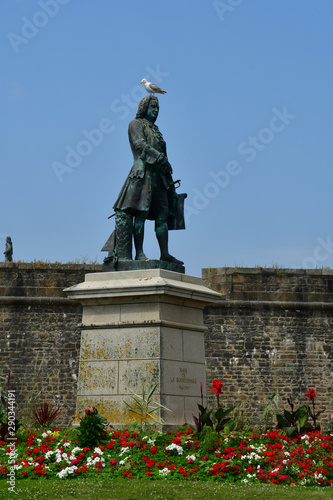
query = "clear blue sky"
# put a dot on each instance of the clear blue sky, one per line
(247, 119)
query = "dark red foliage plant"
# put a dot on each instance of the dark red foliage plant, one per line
(45, 414)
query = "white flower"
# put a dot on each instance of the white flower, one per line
(124, 450)
(76, 449)
(98, 450)
(174, 446)
(65, 445)
(164, 472)
(191, 457)
(48, 454)
(251, 456)
(69, 470)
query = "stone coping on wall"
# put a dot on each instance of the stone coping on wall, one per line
(268, 285)
(60, 266)
(39, 279)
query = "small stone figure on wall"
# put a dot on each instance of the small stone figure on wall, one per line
(8, 250)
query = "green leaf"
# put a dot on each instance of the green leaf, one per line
(303, 410)
(281, 421)
(288, 416)
(319, 413)
(220, 414)
(302, 422)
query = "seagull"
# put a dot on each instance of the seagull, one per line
(152, 87)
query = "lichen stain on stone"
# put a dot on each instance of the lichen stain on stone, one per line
(130, 347)
(96, 376)
(113, 411)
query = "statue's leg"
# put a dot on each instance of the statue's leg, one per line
(162, 235)
(124, 231)
(138, 232)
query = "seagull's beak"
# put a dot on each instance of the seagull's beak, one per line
(141, 82)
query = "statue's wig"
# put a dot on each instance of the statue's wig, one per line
(144, 105)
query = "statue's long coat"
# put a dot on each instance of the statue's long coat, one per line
(146, 175)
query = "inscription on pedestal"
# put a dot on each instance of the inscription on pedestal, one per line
(183, 379)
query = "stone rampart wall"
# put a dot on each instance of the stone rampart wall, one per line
(40, 331)
(273, 332)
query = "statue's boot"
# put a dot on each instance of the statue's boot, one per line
(124, 232)
(162, 238)
(138, 232)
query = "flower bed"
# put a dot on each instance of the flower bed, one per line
(183, 454)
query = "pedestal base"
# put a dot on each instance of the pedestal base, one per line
(137, 265)
(142, 328)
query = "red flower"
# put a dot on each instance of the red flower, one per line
(24, 473)
(311, 394)
(110, 445)
(217, 386)
(153, 449)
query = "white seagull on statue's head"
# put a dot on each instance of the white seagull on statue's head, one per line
(152, 88)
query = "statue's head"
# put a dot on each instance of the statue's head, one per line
(8, 239)
(148, 108)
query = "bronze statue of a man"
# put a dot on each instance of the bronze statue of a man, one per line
(8, 250)
(149, 190)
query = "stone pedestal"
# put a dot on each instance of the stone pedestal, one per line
(142, 328)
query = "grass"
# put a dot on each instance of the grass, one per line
(132, 489)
